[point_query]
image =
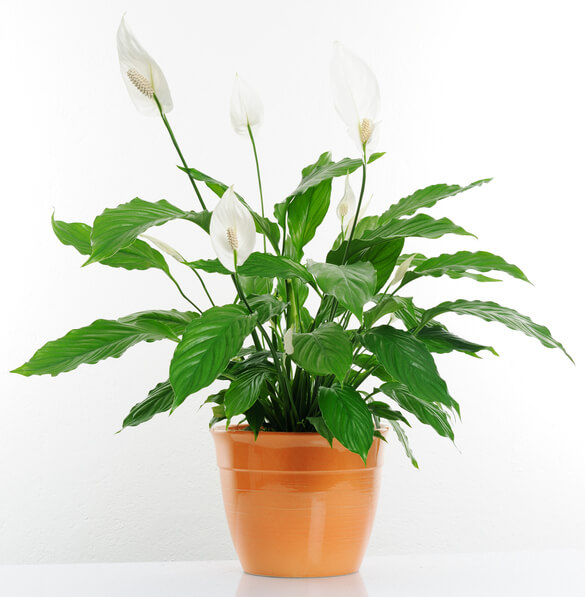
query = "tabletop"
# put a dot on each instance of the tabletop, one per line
(518, 574)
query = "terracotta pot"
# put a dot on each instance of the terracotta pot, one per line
(295, 506)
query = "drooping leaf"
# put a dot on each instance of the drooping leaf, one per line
(321, 428)
(428, 413)
(409, 361)
(383, 411)
(440, 340)
(206, 348)
(490, 311)
(403, 439)
(348, 417)
(159, 400)
(324, 351)
(137, 256)
(103, 339)
(244, 391)
(426, 197)
(352, 285)
(459, 264)
(117, 228)
(255, 417)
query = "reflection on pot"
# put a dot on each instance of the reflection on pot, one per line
(351, 585)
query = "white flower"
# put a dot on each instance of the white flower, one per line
(165, 248)
(401, 271)
(245, 107)
(288, 341)
(232, 230)
(346, 207)
(142, 75)
(356, 94)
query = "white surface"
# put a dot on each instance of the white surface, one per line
(469, 90)
(545, 574)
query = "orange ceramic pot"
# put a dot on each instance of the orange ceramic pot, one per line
(295, 506)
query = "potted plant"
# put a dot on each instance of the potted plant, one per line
(321, 359)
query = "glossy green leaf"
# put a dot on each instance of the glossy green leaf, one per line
(352, 285)
(428, 413)
(324, 351)
(490, 311)
(348, 417)
(159, 400)
(376, 156)
(440, 340)
(409, 361)
(383, 411)
(385, 305)
(244, 391)
(458, 265)
(211, 266)
(421, 225)
(117, 228)
(426, 197)
(274, 266)
(266, 306)
(263, 225)
(403, 439)
(137, 256)
(255, 417)
(324, 170)
(256, 285)
(206, 348)
(103, 339)
(321, 428)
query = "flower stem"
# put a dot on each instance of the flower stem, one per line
(204, 286)
(183, 294)
(259, 179)
(172, 135)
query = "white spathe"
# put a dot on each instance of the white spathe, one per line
(401, 271)
(288, 341)
(165, 248)
(356, 95)
(141, 74)
(246, 107)
(232, 229)
(347, 205)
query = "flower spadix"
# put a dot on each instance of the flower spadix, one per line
(141, 74)
(232, 230)
(245, 107)
(346, 207)
(356, 94)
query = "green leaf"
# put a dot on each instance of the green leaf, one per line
(211, 266)
(326, 350)
(208, 344)
(403, 439)
(421, 225)
(159, 400)
(274, 266)
(117, 228)
(383, 411)
(426, 197)
(490, 311)
(458, 265)
(266, 306)
(348, 417)
(426, 412)
(139, 255)
(385, 304)
(263, 225)
(324, 170)
(244, 391)
(321, 428)
(256, 285)
(255, 417)
(352, 285)
(440, 340)
(376, 156)
(307, 210)
(103, 339)
(409, 361)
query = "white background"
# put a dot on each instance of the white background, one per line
(469, 90)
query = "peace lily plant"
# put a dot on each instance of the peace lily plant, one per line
(363, 355)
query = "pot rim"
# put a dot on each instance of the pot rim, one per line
(219, 428)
